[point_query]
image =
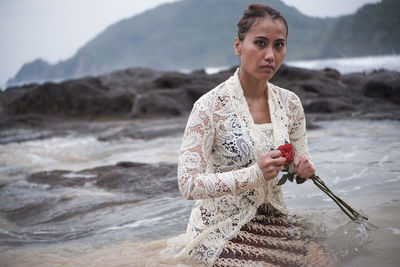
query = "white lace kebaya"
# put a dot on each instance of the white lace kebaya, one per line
(218, 163)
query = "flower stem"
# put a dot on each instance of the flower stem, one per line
(349, 211)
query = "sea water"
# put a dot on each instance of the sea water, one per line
(343, 65)
(349, 65)
(358, 160)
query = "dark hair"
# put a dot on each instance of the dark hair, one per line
(253, 13)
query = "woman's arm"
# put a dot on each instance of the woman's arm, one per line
(194, 157)
(298, 137)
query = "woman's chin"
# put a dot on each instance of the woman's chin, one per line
(265, 76)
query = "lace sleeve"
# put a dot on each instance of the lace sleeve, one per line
(196, 179)
(297, 126)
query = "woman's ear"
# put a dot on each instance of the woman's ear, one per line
(238, 47)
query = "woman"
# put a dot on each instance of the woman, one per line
(228, 161)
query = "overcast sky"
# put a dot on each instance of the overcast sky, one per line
(55, 29)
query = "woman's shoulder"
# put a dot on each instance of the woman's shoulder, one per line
(282, 91)
(209, 99)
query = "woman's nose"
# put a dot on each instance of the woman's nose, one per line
(269, 54)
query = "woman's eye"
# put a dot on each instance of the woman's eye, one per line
(280, 45)
(260, 43)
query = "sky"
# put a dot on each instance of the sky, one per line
(54, 30)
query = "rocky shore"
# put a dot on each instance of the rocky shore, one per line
(142, 94)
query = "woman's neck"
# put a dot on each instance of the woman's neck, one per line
(252, 88)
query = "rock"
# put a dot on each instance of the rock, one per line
(76, 98)
(327, 105)
(139, 178)
(144, 93)
(321, 91)
(354, 80)
(287, 73)
(310, 84)
(332, 73)
(383, 84)
(173, 80)
(170, 102)
(144, 180)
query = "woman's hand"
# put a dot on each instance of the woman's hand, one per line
(303, 167)
(271, 164)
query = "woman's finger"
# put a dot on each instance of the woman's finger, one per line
(278, 161)
(296, 164)
(301, 170)
(275, 154)
(300, 166)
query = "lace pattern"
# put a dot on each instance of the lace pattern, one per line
(217, 163)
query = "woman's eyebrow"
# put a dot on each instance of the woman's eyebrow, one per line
(265, 38)
(261, 37)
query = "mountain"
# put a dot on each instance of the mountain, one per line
(192, 34)
(372, 30)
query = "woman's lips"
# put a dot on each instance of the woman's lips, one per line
(267, 67)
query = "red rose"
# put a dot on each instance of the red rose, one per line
(287, 152)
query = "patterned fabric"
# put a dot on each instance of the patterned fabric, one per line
(269, 239)
(217, 163)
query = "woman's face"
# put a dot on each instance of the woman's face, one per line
(263, 49)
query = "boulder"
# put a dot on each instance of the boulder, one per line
(137, 178)
(327, 105)
(76, 98)
(161, 102)
(383, 84)
(127, 177)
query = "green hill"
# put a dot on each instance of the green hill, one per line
(372, 30)
(192, 34)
